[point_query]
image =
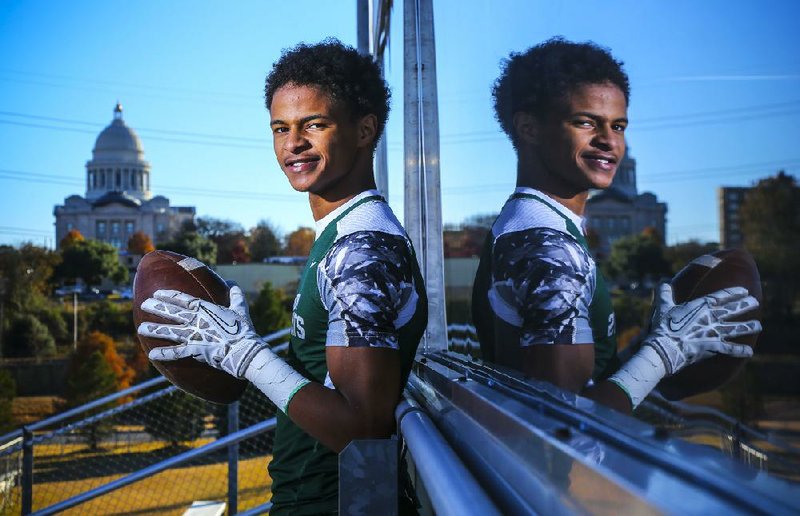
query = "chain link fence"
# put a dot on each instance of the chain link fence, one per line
(88, 447)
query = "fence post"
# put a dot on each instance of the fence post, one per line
(27, 470)
(233, 459)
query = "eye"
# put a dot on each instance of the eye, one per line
(279, 129)
(584, 122)
(316, 125)
(620, 128)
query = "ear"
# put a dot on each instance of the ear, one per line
(526, 128)
(367, 129)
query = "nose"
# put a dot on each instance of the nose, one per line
(295, 141)
(605, 138)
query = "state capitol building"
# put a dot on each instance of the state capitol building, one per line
(118, 200)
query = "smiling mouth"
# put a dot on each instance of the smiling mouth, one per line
(603, 162)
(302, 164)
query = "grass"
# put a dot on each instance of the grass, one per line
(169, 492)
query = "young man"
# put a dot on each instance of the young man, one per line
(540, 304)
(360, 309)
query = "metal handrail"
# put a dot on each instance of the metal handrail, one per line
(452, 488)
(149, 471)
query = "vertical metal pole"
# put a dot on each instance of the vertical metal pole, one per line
(27, 470)
(74, 320)
(423, 205)
(233, 460)
(362, 26)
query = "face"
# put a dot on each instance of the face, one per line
(316, 141)
(582, 141)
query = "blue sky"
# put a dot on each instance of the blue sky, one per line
(715, 95)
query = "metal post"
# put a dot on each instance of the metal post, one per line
(423, 204)
(362, 26)
(27, 470)
(233, 459)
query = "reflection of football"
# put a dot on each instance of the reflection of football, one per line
(167, 270)
(704, 275)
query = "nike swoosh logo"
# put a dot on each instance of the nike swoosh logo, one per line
(223, 324)
(678, 324)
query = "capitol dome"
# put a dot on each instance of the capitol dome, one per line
(118, 142)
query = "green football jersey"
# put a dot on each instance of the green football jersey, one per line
(361, 287)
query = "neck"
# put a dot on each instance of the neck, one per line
(532, 173)
(325, 202)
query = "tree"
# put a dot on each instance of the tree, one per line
(26, 274)
(140, 243)
(232, 248)
(770, 219)
(299, 242)
(264, 241)
(112, 319)
(212, 228)
(190, 243)
(91, 261)
(73, 236)
(183, 418)
(637, 258)
(27, 337)
(98, 342)
(8, 390)
(89, 379)
(269, 312)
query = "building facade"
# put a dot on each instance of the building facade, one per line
(729, 200)
(620, 210)
(118, 201)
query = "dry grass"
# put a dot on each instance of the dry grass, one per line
(169, 492)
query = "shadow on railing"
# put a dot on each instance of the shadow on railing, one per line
(93, 454)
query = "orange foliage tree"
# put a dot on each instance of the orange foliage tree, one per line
(98, 341)
(299, 242)
(73, 236)
(140, 243)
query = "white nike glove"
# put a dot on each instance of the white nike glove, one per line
(221, 337)
(686, 333)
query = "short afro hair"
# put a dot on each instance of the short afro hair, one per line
(349, 77)
(534, 80)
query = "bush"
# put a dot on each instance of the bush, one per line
(268, 311)
(184, 418)
(27, 337)
(8, 390)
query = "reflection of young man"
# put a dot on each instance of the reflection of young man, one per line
(539, 302)
(361, 307)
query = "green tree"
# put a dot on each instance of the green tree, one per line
(183, 420)
(91, 261)
(27, 337)
(770, 218)
(88, 380)
(264, 241)
(637, 258)
(26, 273)
(189, 243)
(113, 319)
(268, 311)
(8, 390)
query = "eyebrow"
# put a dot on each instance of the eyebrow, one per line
(595, 115)
(303, 120)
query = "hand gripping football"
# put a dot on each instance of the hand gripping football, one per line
(167, 270)
(704, 275)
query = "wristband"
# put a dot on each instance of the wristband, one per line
(274, 377)
(639, 375)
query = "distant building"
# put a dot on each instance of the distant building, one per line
(620, 210)
(729, 200)
(118, 200)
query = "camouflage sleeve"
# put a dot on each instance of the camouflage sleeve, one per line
(542, 283)
(366, 282)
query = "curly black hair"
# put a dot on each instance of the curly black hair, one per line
(341, 71)
(533, 80)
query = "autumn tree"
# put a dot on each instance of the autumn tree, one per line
(770, 220)
(70, 238)
(140, 243)
(264, 241)
(97, 341)
(299, 242)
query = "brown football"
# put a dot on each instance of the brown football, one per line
(704, 275)
(167, 270)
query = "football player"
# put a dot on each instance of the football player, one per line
(360, 309)
(540, 304)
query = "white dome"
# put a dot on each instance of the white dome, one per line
(118, 142)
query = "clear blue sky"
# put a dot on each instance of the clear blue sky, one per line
(715, 98)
